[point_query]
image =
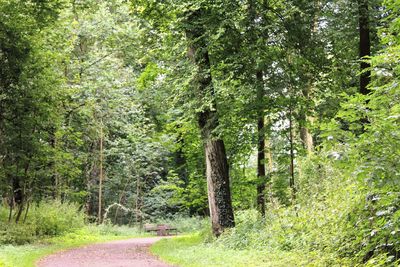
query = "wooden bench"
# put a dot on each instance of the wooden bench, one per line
(161, 229)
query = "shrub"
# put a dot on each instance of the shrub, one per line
(54, 218)
(17, 234)
(50, 218)
(244, 235)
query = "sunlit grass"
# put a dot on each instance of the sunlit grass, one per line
(190, 251)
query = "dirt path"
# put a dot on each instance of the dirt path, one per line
(125, 253)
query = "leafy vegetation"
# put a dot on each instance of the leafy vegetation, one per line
(277, 121)
(191, 252)
(45, 219)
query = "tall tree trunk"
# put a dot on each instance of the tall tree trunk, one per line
(53, 166)
(217, 169)
(260, 147)
(138, 202)
(24, 199)
(26, 211)
(254, 35)
(12, 204)
(365, 44)
(100, 207)
(219, 196)
(291, 141)
(180, 160)
(18, 194)
(269, 167)
(305, 133)
(19, 199)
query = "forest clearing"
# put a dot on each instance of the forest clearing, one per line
(259, 132)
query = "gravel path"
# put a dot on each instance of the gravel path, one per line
(124, 253)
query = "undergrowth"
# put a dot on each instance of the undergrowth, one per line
(336, 221)
(45, 219)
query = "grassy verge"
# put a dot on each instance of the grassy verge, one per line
(27, 255)
(190, 251)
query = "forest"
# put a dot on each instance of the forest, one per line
(267, 129)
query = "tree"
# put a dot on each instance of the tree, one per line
(29, 87)
(217, 168)
(365, 45)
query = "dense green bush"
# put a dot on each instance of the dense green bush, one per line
(318, 224)
(338, 217)
(17, 234)
(374, 237)
(54, 218)
(248, 227)
(50, 218)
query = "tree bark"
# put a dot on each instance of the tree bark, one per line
(180, 160)
(306, 136)
(365, 45)
(305, 133)
(53, 166)
(219, 196)
(100, 206)
(269, 167)
(19, 199)
(254, 35)
(260, 147)
(217, 169)
(138, 202)
(291, 140)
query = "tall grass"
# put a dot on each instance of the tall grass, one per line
(45, 219)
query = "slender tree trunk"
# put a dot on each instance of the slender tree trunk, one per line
(269, 167)
(20, 204)
(261, 147)
(305, 133)
(121, 196)
(23, 192)
(138, 202)
(217, 170)
(306, 136)
(12, 204)
(254, 35)
(26, 210)
(19, 213)
(18, 197)
(291, 140)
(53, 167)
(261, 171)
(268, 155)
(180, 160)
(100, 220)
(365, 45)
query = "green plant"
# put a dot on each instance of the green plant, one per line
(248, 226)
(17, 234)
(49, 218)
(53, 218)
(114, 230)
(186, 224)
